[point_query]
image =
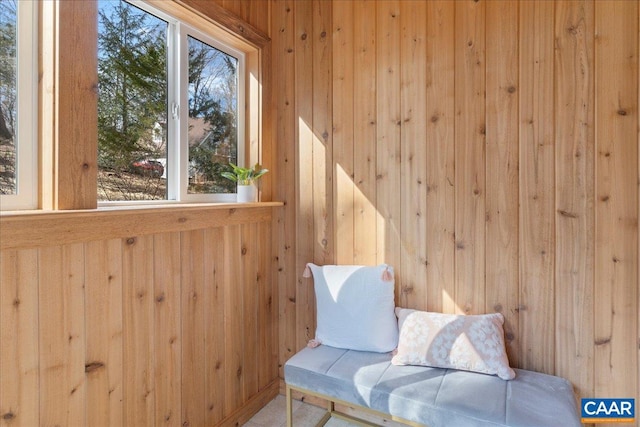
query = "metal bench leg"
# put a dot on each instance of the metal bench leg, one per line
(289, 408)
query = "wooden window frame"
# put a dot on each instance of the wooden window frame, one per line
(69, 93)
(26, 160)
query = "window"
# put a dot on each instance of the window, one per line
(170, 108)
(18, 104)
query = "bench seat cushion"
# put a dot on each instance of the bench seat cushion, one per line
(433, 396)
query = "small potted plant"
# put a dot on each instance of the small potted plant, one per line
(246, 178)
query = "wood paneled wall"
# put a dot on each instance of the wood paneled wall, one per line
(488, 150)
(135, 316)
(139, 328)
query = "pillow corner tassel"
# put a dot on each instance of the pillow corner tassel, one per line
(313, 343)
(307, 272)
(386, 275)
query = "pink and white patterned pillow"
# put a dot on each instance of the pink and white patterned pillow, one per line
(470, 343)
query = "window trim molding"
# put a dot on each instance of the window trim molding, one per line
(26, 196)
(68, 134)
(244, 109)
(67, 164)
(205, 14)
(234, 35)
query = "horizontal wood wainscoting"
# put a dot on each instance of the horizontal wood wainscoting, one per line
(137, 317)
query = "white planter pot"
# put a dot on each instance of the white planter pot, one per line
(247, 193)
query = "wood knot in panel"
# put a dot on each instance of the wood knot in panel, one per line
(567, 214)
(93, 366)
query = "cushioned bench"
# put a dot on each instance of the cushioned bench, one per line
(434, 397)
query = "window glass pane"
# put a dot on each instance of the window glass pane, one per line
(132, 104)
(8, 90)
(213, 118)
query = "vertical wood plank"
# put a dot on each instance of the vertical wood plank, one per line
(440, 281)
(616, 212)
(233, 319)
(283, 63)
(214, 315)
(574, 106)
(364, 132)
(268, 315)
(268, 149)
(62, 335)
(138, 321)
(470, 156)
(537, 247)
(413, 179)
(167, 328)
(501, 238)
(342, 112)
(249, 285)
(304, 298)
(322, 127)
(103, 320)
(342, 72)
(76, 99)
(194, 306)
(388, 135)
(19, 388)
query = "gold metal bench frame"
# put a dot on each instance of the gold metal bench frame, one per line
(332, 412)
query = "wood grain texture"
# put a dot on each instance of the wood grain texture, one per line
(513, 103)
(94, 304)
(233, 322)
(62, 335)
(39, 229)
(139, 399)
(167, 329)
(364, 132)
(413, 147)
(440, 281)
(470, 131)
(19, 353)
(133, 331)
(322, 127)
(76, 97)
(303, 294)
(537, 163)
(574, 106)
(616, 211)
(576, 87)
(250, 312)
(233, 20)
(343, 157)
(501, 239)
(194, 324)
(214, 288)
(103, 320)
(284, 68)
(388, 136)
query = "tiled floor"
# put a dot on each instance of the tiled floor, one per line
(275, 415)
(304, 415)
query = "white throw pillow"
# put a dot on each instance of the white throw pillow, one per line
(355, 307)
(471, 343)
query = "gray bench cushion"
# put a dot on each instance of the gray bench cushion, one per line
(432, 396)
